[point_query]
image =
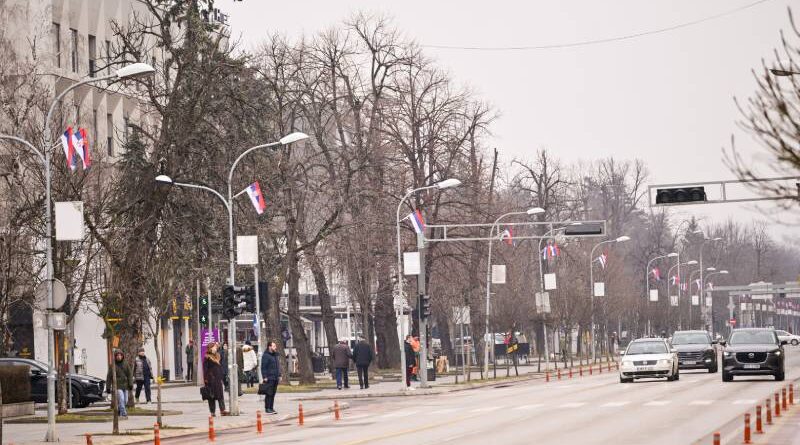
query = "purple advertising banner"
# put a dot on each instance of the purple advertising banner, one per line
(206, 337)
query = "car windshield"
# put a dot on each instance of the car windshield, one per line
(647, 347)
(691, 339)
(782, 333)
(752, 338)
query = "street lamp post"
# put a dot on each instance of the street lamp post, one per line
(228, 203)
(708, 277)
(669, 274)
(699, 288)
(647, 280)
(127, 72)
(447, 183)
(702, 248)
(492, 229)
(620, 239)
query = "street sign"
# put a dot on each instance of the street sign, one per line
(498, 274)
(411, 263)
(600, 289)
(709, 301)
(732, 322)
(69, 221)
(673, 300)
(542, 302)
(653, 294)
(247, 250)
(695, 300)
(57, 321)
(549, 281)
(59, 294)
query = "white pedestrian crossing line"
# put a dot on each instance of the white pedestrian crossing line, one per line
(614, 404)
(572, 405)
(485, 409)
(354, 416)
(443, 411)
(658, 403)
(701, 402)
(531, 406)
(399, 414)
(744, 402)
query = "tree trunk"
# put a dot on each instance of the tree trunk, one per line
(386, 340)
(299, 339)
(158, 372)
(328, 317)
(272, 323)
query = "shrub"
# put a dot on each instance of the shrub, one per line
(16, 383)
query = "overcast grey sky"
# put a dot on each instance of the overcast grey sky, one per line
(665, 98)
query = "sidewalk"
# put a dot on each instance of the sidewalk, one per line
(785, 429)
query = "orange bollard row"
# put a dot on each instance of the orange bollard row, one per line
(791, 394)
(759, 428)
(570, 372)
(717, 439)
(769, 411)
(559, 373)
(212, 436)
(300, 418)
(580, 371)
(747, 428)
(547, 376)
(783, 399)
(259, 425)
(156, 434)
(777, 405)
(336, 415)
(88, 439)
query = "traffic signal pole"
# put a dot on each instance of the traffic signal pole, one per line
(423, 321)
(261, 346)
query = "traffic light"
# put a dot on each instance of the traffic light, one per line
(584, 229)
(680, 195)
(424, 306)
(204, 322)
(234, 301)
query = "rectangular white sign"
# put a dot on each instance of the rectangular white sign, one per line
(542, 302)
(709, 301)
(498, 273)
(549, 281)
(695, 300)
(247, 250)
(69, 221)
(653, 294)
(673, 300)
(461, 315)
(600, 289)
(411, 263)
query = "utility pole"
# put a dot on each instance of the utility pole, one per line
(257, 322)
(423, 322)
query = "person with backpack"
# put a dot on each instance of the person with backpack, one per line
(142, 374)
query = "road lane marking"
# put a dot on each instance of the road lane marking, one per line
(531, 406)
(701, 402)
(572, 405)
(399, 414)
(614, 404)
(485, 409)
(744, 402)
(443, 411)
(657, 403)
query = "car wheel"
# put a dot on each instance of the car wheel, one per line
(726, 377)
(677, 375)
(713, 369)
(780, 376)
(795, 342)
(77, 401)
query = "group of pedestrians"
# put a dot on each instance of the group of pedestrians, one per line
(142, 375)
(361, 354)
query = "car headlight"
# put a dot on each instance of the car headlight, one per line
(664, 362)
(626, 364)
(776, 352)
(86, 381)
(728, 354)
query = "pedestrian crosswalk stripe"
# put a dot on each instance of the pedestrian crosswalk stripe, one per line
(744, 402)
(614, 404)
(531, 406)
(485, 409)
(657, 403)
(701, 402)
(572, 405)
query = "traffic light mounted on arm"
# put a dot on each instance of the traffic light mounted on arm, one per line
(203, 308)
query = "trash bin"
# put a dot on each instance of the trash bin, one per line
(165, 375)
(431, 371)
(318, 363)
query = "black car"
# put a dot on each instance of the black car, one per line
(695, 350)
(85, 389)
(753, 351)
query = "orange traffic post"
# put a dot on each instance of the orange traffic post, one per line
(156, 434)
(336, 415)
(609, 366)
(747, 428)
(547, 376)
(590, 369)
(211, 434)
(88, 439)
(769, 411)
(599, 368)
(300, 417)
(559, 373)
(791, 394)
(716, 439)
(259, 425)
(759, 429)
(783, 399)
(580, 371)
(570, 372)
(777, 405)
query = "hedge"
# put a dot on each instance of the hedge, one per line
(16, 383)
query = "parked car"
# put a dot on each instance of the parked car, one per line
(792, 339)
(753, 351)
(649, 358)
(85, 388)
(696, 350)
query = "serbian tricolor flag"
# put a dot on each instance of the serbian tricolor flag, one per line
(507, 236)
(656, 274)
(254, 191)
(550, 251)
(697, 283)
(80, 144)
(603, 259)
(417, 221)
(67, 142)
(674, 280)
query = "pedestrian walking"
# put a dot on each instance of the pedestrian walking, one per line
(271, 375)
(191, 358)
(362, 355)
(142, 374)
(411, 359)
(341, 362)
(212, 379)
(239, 369)
(223, 360)
(124, 382)
(250, 364)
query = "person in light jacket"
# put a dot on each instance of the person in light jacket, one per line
(142, 374)
(271, 375)
(249, 364)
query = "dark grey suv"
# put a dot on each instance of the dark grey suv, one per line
(695, 350)
(753, 351)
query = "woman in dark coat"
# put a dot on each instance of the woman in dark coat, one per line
(213, 377)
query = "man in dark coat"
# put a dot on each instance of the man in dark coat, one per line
(213, 376)
(191, 357)
(362, 355)
(341, 356)
(411, 359)
(271, 373)
(124, 382)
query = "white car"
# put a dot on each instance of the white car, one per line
(790, 338)
(648, 358)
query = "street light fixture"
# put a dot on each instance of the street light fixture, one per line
(783, 68)
(228, 203)
(702, 278)
(647, 281)
(619, 239)
(444, 184)
(134, 70)
(492, 229)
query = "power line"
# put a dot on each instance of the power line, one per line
(600, 41)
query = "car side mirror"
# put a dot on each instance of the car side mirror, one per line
(714, 342)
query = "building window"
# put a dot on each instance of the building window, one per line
(94, 127)
(56, 30)
(108, 57)
(110, 131)
(74, 49)
(92, 55)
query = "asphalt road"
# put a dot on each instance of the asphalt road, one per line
(592, 410)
